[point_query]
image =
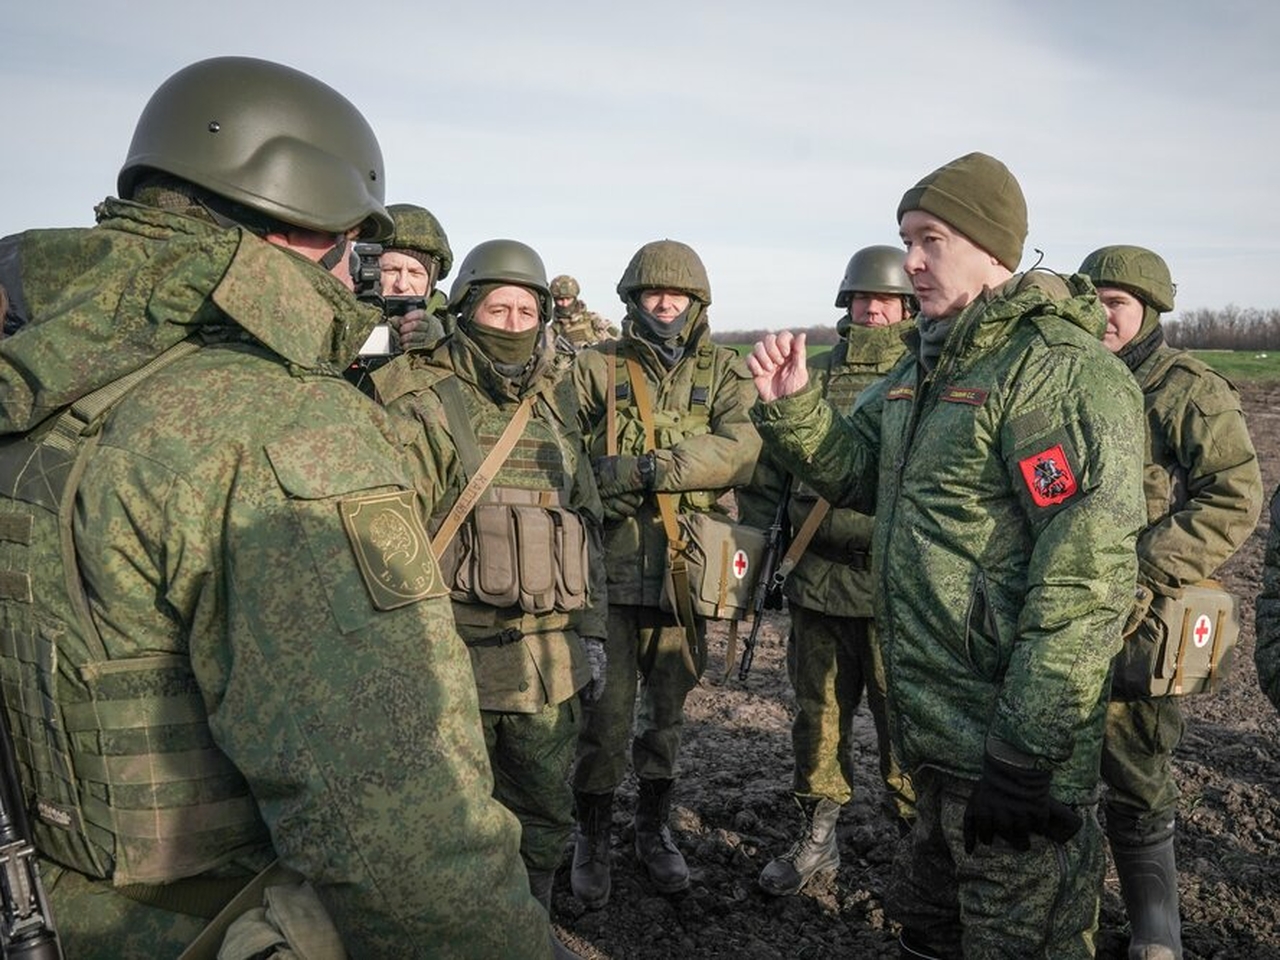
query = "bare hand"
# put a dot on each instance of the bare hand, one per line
(777, 364)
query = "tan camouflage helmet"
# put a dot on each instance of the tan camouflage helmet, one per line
(268, 137)
(665, 265)
(419, 232)
(1135, 269)
(875, 270)
(564, 287)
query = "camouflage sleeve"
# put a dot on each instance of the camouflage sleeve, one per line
(586, 501)
(726, 456)
(1080, 417)
(837, 456)
(1206, 427)
(1266, 652)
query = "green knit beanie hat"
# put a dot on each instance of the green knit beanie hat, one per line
(978, 196)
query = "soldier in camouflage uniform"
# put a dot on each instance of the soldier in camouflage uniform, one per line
(573, 321)
(1203, 493)
(413, 262)
(1000, 463)
(831, 652)
(1266, 651)
(704, 446)
(267, 666)
(524, 567)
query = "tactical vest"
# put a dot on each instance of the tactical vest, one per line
(675, 417)
(521, 546)
(118, 765)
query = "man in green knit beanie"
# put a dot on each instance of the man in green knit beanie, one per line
(999, 460)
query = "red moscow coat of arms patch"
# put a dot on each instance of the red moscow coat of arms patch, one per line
(1048, 476)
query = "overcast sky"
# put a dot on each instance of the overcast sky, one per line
(775, 138)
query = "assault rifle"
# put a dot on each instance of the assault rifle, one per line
(769, 583)
(26, 926)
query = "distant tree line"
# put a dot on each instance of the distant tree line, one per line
(1231, 328)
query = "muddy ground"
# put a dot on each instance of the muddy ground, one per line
(733, 813)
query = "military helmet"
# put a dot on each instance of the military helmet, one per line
(875, 270)
(564, 287)
(1136, 269)
(266, 136)
(665, 265)
(502, 262)
(418, 230)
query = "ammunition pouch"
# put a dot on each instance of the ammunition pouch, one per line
(1184, 645)
(722, 558)
(525, 550)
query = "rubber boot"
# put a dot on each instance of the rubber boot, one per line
(590, 873)
(654, 846)
(815, 850)
(1149, 886)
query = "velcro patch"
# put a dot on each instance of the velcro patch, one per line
(973, 396)
(392, 549)
(1048, 476)
(901, 393)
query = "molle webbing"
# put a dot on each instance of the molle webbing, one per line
(119, 769)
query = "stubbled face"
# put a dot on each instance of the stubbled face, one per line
(947, 269)
(875, 309)
(1124, 317)
(403, 275)
(664, 304)
(514, 309)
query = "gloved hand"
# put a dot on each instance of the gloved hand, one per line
(619, 474)
(1142, 597)
(415, 330)
(598, 660)
(621, 505)
(1013, 802)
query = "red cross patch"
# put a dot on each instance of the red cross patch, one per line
(740, 564)
(1048, 476)
(1202, 633)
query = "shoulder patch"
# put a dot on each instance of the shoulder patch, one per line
(1048, 476)
(392, 549)
(973, 396)
(901, 393)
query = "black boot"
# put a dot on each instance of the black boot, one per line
(590, 875)
(540, 883)
(815, 850)
(1149, 886)
(654, 846)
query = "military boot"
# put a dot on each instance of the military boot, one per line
(540, 883)
(590, 874)
(654, 846)
(1149, 886)
(815, 850)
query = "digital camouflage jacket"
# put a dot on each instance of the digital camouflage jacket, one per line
(833, 575)
(251, 517)
(547, 665)
(706, 444)
(1007, 496)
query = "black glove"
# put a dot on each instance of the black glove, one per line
(616, 474)
(415, 330)
(621, 505)
(1013, 802)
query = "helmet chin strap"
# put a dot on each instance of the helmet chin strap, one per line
(334, 255)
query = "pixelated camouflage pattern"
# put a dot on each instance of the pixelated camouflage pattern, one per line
(208, 526)
(1266, 652)
(1203, 489)
(562, 285)
(998, 616)
(1138, 269)
(703, 450)
(665, 264)
(418, 229)
(584, 327)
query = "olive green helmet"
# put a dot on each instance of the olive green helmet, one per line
(418, 231)
(504, 262)
(875, 270)
(266, 136)
(564, 287)
(1135, 269)
(666, 265)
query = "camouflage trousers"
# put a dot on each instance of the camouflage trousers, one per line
(644, 643)
(830, 661)
(531, 755)
(996, 902)
(1137, 767)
